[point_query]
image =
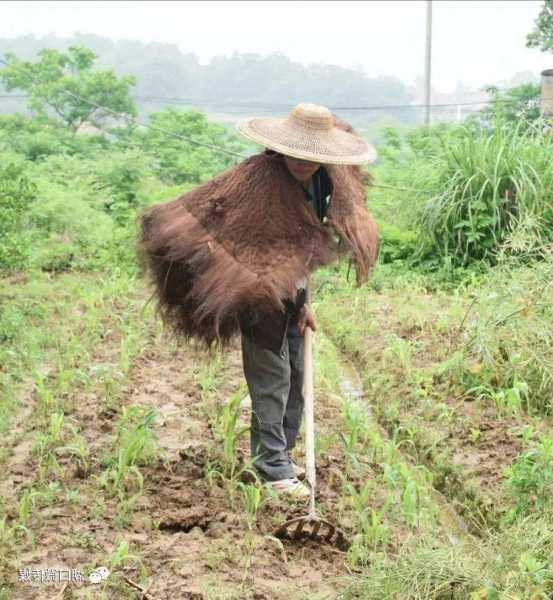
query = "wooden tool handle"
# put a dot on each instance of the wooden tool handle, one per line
(309, 403)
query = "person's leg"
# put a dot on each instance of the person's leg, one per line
(268, 378)
(294, 406)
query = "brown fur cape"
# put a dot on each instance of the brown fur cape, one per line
(243, 239)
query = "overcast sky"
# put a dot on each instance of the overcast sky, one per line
(476, 42)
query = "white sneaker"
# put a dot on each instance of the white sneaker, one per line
(299, 471)
(293, 486)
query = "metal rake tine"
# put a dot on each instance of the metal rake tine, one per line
(299, 529)
(331, 531)
(284, 530)
(316, 527)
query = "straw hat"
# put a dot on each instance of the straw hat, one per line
(309, 133)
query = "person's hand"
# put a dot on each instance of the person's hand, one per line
(306, 319)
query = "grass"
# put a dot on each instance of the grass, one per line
(419, 362)
(52, 353)
(492, 194)
(422, 358)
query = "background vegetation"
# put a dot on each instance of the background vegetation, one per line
(163, 72)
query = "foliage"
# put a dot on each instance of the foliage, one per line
(542, 35)
(395, 243)
(118, 176)
(17, 193)
(509, 330)
(34, 139)
(530, 477)
(67, 84)
(518, 106)
(165, 73)
(180, 161)
(492, 193)
(406, 174)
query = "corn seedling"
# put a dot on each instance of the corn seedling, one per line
(252, 498)
(72, 496)
(209, 375)
(372, 533)
(46, 444)
(356, 431)
(45, 397)
(27, 503)
(398, 352)
(77, 449)
(410, 501)
(120, 558)
(125, 507)
(7, 539)
(129, 347)
(229, 432)
(360, 499)
(135, 447)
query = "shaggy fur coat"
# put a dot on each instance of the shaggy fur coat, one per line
(242, 240)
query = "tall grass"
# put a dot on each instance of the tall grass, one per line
(509, 333)
(493, 193)
(510, 564)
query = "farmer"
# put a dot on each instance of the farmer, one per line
(233, 256)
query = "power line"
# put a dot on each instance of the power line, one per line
(135, 121)
(147, 125)
(210, 146)
(270, 106)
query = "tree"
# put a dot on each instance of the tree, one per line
(542, 35)
(67, 84)
(517, 106)
(180, 161)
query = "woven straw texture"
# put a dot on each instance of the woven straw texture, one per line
(308, 132)
(243, 240)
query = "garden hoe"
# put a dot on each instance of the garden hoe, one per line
(311, 526)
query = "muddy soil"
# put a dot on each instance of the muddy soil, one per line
(185, 532)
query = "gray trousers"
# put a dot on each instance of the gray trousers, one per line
(275, 386)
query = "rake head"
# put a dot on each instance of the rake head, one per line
(313, 528)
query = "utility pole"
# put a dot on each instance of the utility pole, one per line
(546, 104)
(428, 61)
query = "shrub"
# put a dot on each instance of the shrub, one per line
(515, 105)
(69, 232)
(118, 176)
(17, 192)
(531, 478)
(181, 161)
(34, 139)
(489, 189)
(395, 243)
(509, 330)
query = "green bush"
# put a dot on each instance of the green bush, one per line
(17, 194)
(33, 139)
(530, 478)
(492, 193)
(396, 243)
(509, 332)
(69, 230)
(180, 161)
(517, 106)
(118, 177)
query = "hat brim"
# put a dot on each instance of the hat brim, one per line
(333, 146)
